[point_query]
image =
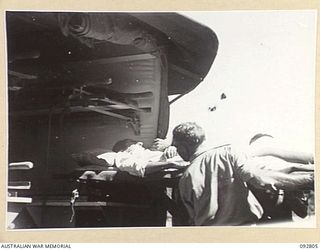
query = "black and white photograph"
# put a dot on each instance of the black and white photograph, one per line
(160, 119)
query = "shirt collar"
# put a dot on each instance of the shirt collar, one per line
(202, 149)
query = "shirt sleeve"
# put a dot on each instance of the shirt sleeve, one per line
(241, 164)
(185, 191)
(131, 164)
(109, 157)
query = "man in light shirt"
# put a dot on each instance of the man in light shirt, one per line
(211, 188)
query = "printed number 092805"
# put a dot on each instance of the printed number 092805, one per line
(310, 246)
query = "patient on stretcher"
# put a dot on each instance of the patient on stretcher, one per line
(130, 156)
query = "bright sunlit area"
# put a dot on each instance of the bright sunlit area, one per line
(262, 80)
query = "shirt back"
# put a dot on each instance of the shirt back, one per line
(213, 192)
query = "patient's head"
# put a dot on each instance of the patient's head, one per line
(124, 145)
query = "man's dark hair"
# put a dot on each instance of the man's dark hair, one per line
(190, 133)
(258, 136)
(123, 145)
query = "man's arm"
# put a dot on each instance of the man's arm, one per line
(160, 144)
(187, 199)
(153, 167)
(264, 178)
(287, 155)
(276, 180)
(268, 146)
(253, 169)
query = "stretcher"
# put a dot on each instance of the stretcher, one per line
(125, 200)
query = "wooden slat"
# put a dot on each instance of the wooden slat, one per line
(19, 185)
(24, 165)
(117, 59)
(19, 199)
(109, 113)
(21, 75)
(121, 104)
(86, 204)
